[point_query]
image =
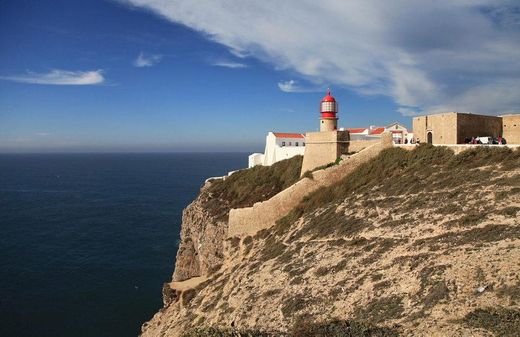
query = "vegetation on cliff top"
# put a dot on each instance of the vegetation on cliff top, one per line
(303, 328)
(427, 168)
(245, 187)
(502, 322)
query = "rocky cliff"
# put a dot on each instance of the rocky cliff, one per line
(202, 237)
(414, 243)
(205, 220)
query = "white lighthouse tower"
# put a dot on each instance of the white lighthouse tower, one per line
(325, 146)
(328, 111)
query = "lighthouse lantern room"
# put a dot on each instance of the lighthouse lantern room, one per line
(328, 110)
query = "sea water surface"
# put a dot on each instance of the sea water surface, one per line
(87, 240)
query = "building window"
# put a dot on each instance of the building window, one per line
(283, 143)
(296, 143)
(303, 144)
(290, 143)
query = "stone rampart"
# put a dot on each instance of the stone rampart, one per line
(322, 148)
(358, 145)
(458, 148)
(250, 220)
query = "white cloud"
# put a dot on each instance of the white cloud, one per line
(227, 64)
(287, 110)
(147, 60)
(425, 55)
(42, 134)
(59, 77)
(408, 112)
(294, 86)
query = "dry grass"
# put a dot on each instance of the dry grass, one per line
(339, 328)
(501, 322)
(426, 169)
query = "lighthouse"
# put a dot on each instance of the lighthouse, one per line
(328, 111)
(327, 145)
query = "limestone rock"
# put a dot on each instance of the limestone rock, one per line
(202, 237)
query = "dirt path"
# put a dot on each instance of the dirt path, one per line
(187, 284)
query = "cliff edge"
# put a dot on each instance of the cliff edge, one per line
(414, 243)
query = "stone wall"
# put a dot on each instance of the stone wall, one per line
(250, 220)
(454, 127)
(511, 128)
(322, 148)
(419, 128)
(470, 125)
(442, 126)
(358, 145)
(458, 148)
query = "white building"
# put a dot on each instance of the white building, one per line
(399, 133)
(279, 146)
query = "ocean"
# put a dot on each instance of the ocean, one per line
(87, 240)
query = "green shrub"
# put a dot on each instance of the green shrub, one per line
(245, 187)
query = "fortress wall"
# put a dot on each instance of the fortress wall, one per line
(454, 128)
(470, 125)
(458, 148)
(322, 148)
(250, 220)
(358, 145)
(511, 128)
(419, 128)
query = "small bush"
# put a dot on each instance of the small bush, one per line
(489, 233)
(272, 249)
(321, 271)
(294, 304)
(308, 174)
(437, 293)
(501, 322)
(510, 211)
(513, 292)
(381, 309)
(187, 296)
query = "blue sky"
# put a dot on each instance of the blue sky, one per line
(173, 75)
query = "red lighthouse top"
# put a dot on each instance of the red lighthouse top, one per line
(328, 107)
(328, 98)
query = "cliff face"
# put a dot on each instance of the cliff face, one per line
(420, 243)
(202, 238)
(205, 220)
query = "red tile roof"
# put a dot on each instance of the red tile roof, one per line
(288, 135)
(356, 130)
(377, 131)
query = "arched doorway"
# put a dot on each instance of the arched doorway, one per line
(430, 138)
